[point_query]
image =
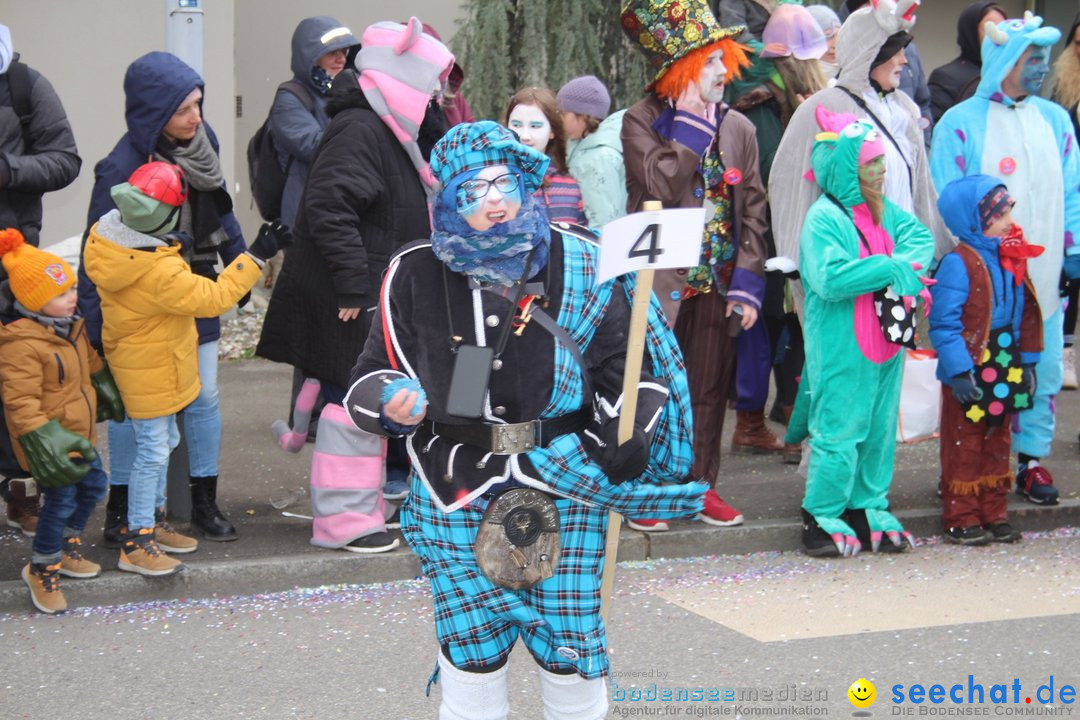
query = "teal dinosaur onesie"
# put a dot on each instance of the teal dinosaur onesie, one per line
(851, 383)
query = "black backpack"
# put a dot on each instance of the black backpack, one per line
(265, 173)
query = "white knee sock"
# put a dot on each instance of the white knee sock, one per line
(471, 695)
(572, 697)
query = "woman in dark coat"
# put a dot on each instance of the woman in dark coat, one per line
(362, 201)
(366, 196)
(957, 80)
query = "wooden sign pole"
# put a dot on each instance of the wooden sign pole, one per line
(635, 351)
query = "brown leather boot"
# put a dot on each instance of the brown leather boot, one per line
(752, 435)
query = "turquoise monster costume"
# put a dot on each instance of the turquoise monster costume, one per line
(850, 389)
(1028, 145)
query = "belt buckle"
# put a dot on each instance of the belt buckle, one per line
(513, 438)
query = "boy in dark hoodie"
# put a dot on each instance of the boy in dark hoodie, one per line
(55, 389)
(987, 329)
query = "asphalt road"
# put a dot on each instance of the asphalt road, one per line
(790, 631)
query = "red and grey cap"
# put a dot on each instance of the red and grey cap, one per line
(150, 201)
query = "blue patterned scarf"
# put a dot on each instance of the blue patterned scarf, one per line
(495, 256)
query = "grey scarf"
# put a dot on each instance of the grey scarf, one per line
(208, 201)
(200, 163)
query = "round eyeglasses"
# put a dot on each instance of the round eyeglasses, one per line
(473, 191)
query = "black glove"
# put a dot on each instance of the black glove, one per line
(1028, 382)
(964, 389)
(110, 406)
(47, 456)
(626, 461)
(272, 236)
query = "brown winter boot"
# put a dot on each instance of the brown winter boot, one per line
(752, 436)
(24, 506)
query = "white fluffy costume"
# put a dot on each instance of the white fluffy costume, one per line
(908, 182)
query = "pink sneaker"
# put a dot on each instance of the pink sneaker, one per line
(646, 525)
(717, 512)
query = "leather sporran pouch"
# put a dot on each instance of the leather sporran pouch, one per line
(518, 543)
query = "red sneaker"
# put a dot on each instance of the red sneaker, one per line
(718, 512)
(646, 525)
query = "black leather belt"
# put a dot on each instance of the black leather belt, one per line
(511, 438)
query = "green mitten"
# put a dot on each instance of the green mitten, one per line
(110, 406)
(47, 451)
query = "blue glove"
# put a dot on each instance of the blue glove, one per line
(1028, 381)
(964, 389)
(1071, 266)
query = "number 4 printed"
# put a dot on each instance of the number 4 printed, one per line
(653, 250)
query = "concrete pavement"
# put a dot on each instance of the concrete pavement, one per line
(274, 554)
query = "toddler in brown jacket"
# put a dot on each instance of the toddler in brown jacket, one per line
(53, 386)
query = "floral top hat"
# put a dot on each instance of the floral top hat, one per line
(669, 30)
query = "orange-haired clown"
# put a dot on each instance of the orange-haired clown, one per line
(684, 147)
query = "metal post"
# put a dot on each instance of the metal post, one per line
(184, 31)
(184, 39)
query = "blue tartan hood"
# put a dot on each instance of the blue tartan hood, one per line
(154, 86)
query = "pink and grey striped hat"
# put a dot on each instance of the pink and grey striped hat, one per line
(400, 67)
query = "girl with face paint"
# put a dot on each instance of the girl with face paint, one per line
(533, 115)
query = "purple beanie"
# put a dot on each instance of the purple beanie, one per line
(584, 95)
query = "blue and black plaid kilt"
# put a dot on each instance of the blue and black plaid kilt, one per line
(558, 619)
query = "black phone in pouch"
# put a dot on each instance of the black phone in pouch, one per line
(469, 382)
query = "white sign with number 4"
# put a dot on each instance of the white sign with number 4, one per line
(651, 240)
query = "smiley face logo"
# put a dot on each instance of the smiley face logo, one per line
(862, 693)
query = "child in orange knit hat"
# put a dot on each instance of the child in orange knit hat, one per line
(53, 387)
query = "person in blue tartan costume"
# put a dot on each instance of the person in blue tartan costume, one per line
(458, 289)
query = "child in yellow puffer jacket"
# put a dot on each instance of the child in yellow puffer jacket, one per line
(149, 302)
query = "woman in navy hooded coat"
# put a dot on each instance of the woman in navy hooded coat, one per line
(163, 111)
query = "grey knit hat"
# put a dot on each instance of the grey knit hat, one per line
(584, 95)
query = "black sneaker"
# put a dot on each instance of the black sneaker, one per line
(972, 535)
(374, 543)
(1004, 533)
(816, 542)
(394, 521)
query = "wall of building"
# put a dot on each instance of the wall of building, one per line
(935, 31)
(83, 48)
